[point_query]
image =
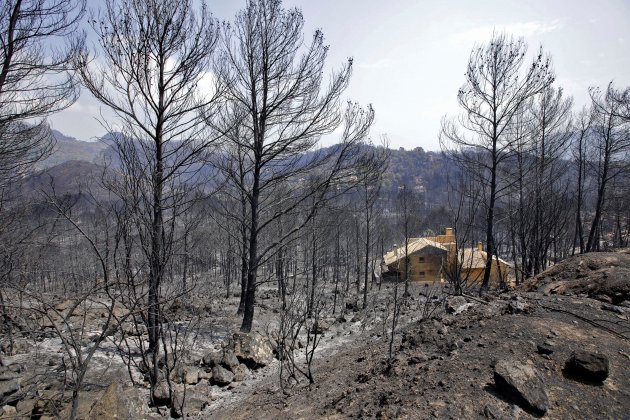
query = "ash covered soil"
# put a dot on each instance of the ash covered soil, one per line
(444, 367)
(557, 347)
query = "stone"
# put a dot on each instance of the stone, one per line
(221, 376)
(203, 374)
(517, 307)
(241, 372)
(456, 305)
(212, 358)
(321, 326)
(229, 360)
(520, 383)
(192, 404)
(160, 392)
(9, 387)
(546, 348)
(25, 407)
(191, 376)
(252, 349)
(588, 366)
(9, 411)
(115, 403)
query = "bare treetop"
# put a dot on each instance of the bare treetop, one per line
(37, 44)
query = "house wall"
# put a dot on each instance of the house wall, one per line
(423, 267)
(475, 275)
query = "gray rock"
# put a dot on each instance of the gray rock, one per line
(241, 372)
(229, 360)
(588, 367)
(8, 411)
(7, 374)
(191, 377)
(9, 387)
(456, 304)
(213, 358)
(221, 376)
(252, 349)
(160, 392)
(545, 348)
(521, 383)
(188, 403)
(203, 374)
(321, 326)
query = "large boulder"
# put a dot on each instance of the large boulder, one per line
(251, 349)
(221, 376)
(587, 366)
(520, 383)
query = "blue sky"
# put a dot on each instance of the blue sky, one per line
(410, 55)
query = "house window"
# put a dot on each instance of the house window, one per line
(421, 259)
(421, 274)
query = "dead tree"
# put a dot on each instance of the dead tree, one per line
(275, 94)
(38, 43)
(498, 82)
(579, 150)
(154, 55)
(612, 143)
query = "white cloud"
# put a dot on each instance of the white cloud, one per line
(524, 29)
(383, 63)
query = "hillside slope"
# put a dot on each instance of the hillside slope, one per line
(446, 366)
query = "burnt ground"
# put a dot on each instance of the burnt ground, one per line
(444, 365)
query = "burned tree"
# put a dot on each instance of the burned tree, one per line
(276, 94)
(612, 143)
(154, 56)
(35, 80)
(497, 85)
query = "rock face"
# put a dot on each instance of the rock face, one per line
(520, 383)
(588, 367)
(252, 349)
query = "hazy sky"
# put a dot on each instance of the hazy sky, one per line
(410, 55)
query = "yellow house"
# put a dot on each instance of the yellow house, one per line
(426, 260)
(436, 258)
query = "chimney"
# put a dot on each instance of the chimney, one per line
(448, 231)
(479, 246)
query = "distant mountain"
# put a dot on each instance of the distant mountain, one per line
(426, 172)
(71, 149)
(67, 178)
